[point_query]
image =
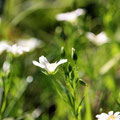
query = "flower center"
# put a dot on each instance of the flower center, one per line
(111, 117)
(52, 65)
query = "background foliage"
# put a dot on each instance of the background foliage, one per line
(99, 65)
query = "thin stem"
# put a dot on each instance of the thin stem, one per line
(75, 4)
(4, 99)
(5, 90)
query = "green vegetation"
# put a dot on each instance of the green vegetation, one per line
(87, 35)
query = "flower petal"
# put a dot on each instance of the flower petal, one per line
(38, 64)
(110, 113)
(90, 36)
(61, 62)
(43, 60)
(116, 114)
(51, 67)
(102, 116)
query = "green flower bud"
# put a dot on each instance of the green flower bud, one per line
(66, 74)
(82, 82)
(69, 68)
(62, 52)
(72, 75)
(74, 55)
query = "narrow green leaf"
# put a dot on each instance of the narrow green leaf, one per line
(80, 104)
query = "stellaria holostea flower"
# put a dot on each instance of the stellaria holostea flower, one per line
(99, 39)
(14, 49)
(109, 116)
(49, 67)
(17, 50)
(31, 43)
(70, 16)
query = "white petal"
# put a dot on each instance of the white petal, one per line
(117, 118)
(43, 60)
(61, 62)
(38, 64)
(3, 46)
(70, 16)
(31, 43)
(17, 49)
(102, 116)
(90, 36)
(51, 67)
(101, 38)
(116, 114)
(98, 116)
(110, 113)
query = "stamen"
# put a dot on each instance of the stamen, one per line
(111, 117)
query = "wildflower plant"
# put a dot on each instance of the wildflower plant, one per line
(8, 77)
(5, 83)
(71, 82)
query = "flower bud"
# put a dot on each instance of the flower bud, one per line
(82, 82)
(74, 55)
(62, 52)
(63, 35)
(66, 74)
(72, 75)
(69, 68)
(6, 66)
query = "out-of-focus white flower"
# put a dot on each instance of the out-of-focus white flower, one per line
(29, 79)
(36, 113)
(109, 116)
(30, 43)
(6, 66)
(17, 50)
(3, 46)
(49, 67)
(14, 49)
(70, 16)
(99, 39)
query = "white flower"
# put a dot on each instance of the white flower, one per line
(31, 43)
(70, 16)
(17, 50)
(6, 66)
(109, 116)
(99, 39)
(49, 67)
(14, 49)
(3, 46)
(29, 79)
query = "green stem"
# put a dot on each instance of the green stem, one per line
(74, 4)
(4, 100)
(5, 90)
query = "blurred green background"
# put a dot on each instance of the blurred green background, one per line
(99, 66)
